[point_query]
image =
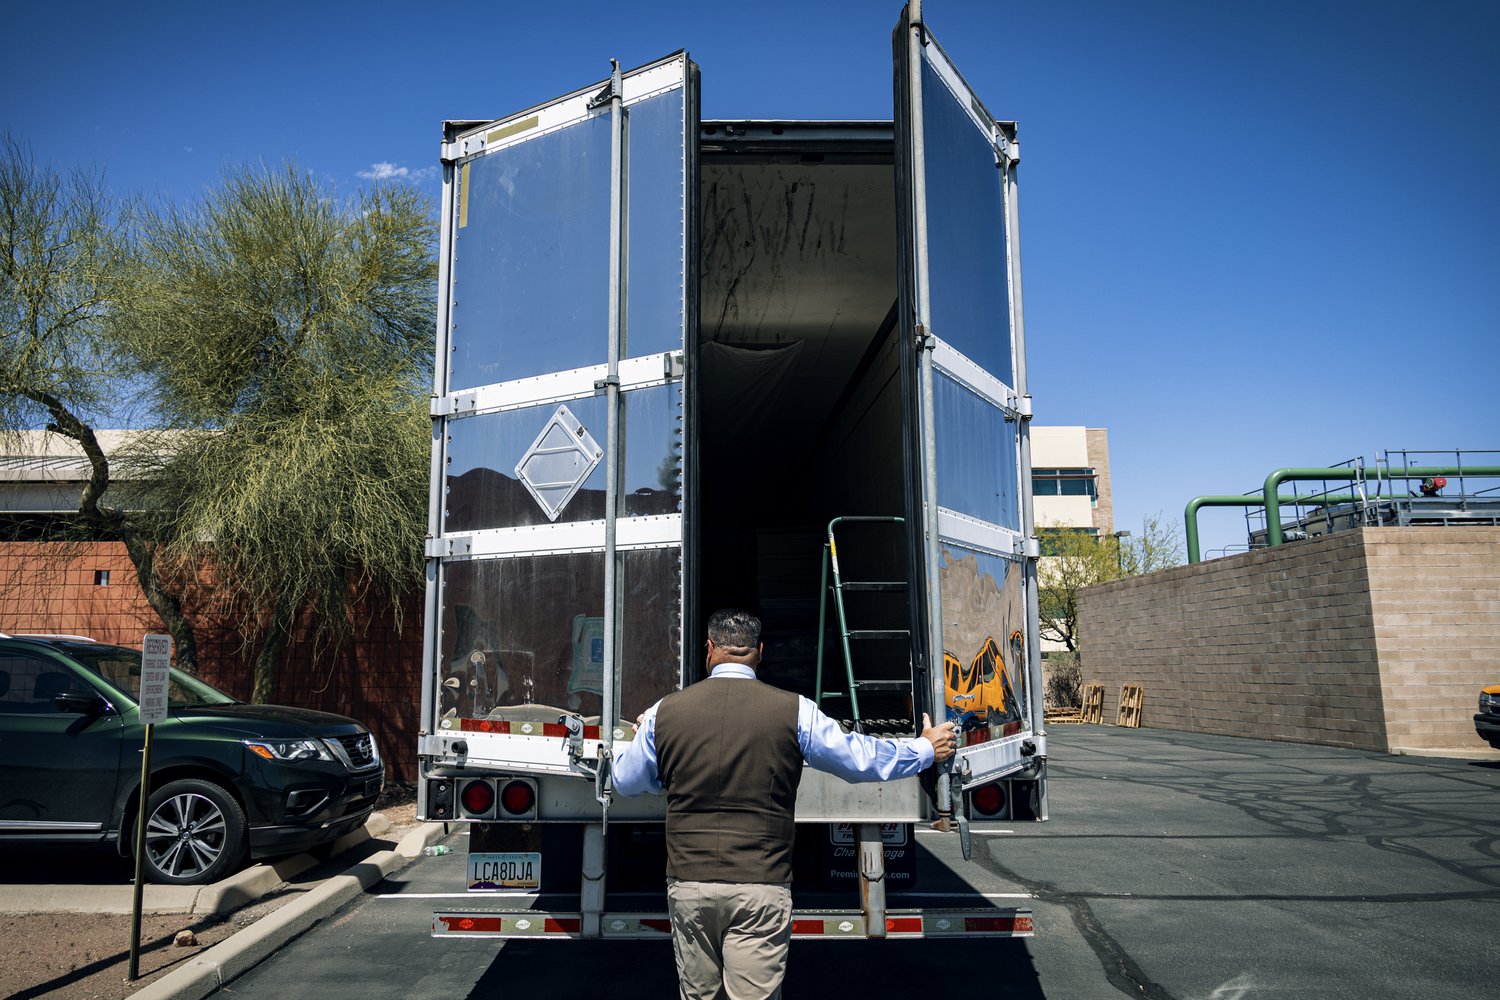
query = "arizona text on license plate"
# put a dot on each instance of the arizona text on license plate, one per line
(493, 872)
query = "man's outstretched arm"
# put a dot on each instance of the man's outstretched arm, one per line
(856, 757)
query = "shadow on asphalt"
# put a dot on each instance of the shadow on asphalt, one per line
(816, 970)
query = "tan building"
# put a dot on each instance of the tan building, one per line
(1071, 486)
(1070, 479)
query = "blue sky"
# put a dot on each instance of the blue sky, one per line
(1255, 235)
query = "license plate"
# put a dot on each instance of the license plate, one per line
(493, 872)
(891, 834)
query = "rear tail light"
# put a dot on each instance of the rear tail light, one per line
(518, 799)
(476, 799)
(494, 799)
(989, 801)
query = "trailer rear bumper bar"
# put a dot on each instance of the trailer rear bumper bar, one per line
(816, 925)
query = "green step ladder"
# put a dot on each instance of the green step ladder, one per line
(839, 587)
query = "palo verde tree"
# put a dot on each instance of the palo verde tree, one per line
(1072, 560)
(286, 336)
(61, 253)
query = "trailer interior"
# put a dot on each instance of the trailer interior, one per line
(799, 397)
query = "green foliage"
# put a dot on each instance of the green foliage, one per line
(273, 284)
(281, 338)
(59, 256)
(1158, 546)
(61, 263)
(1072, 560)
(286, 335)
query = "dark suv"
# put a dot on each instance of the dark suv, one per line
(1487, 721)
(227, 778)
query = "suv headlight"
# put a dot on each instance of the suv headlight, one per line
(1489, 702)
(289, 749)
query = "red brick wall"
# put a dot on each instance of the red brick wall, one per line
(374, 677)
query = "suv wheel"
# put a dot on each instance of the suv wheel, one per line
(195, 833)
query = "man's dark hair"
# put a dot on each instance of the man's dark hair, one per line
(734, 628)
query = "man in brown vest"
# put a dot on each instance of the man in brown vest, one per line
(728, 752)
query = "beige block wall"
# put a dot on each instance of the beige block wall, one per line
(1378, 639)
(1435, 593)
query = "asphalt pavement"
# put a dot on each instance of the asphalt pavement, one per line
(1174, 866)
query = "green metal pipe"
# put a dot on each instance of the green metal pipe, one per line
(1190, 514)
(1272, 499)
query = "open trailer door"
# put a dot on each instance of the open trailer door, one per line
(557, 518)
(969, 476)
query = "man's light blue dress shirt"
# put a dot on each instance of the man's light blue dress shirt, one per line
(824, 745)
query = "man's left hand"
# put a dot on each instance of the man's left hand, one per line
(944, 739)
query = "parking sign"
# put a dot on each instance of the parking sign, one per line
(156, 657)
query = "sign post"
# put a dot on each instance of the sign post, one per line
(156, 659)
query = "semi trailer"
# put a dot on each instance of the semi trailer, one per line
(686, 364)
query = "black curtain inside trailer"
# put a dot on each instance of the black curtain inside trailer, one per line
(799, 407)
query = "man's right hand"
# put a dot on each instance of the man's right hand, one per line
(944, 739)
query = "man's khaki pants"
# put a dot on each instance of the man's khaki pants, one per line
(730, 938)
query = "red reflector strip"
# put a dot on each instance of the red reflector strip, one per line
(465, 924)
(483, 726)
(522, 728)
(1003, 925)
(911, 925)
(541, 925)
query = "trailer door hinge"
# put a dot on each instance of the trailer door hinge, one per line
(1031, 547)
(450, 406)
(439, 548)
(603, 384)
(1023, 406)
(672, 366)
(606, 95)
(452, 152)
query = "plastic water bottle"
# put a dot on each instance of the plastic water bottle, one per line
(436, 850)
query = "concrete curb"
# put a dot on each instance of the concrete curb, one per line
(237, 954)
(246, 886)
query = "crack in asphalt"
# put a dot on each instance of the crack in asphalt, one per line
(1122, 971)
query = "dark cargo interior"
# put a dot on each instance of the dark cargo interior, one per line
(799, 409)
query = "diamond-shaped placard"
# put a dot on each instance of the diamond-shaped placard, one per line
(558, 461)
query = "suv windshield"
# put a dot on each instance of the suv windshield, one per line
(120, 668)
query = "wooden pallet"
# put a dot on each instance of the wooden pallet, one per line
(1093, 703)
(1132, 696)
(1057, 716)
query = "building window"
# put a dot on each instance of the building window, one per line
(101, 578)
(1065, 483)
